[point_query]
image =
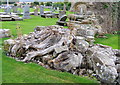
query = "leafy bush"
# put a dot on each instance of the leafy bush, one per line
(61, 5)
(48, 4)
(105, 6)
(15, 4)
(68, 5)
(36, 3)
(0, 3)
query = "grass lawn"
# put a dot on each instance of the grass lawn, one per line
(112, 40)
(1, 10)
(28, 25)
(18, 72)
(0, 61)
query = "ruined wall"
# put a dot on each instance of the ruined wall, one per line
(108, 14)
(74, 6)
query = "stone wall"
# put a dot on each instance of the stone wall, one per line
(107, 12)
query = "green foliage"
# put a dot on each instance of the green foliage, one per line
(31, 4)
(48, 4)
(41, 3)
(58, 4)
(6, 2)
(0, 3)
(15, 4)
(61, 5)
(68, 5)
(36, 3)
(105, 6)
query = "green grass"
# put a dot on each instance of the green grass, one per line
(18, 72)
(28, 25)
(111, 40)
(1, 10)
(0, 61)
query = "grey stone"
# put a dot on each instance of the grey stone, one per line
(79, 38)
(90, 39)
(64, 8)
(60, 49)
(89, 13)
(36, 10)
(8, 10)
(51, 8)
(26, 12)
(58, 9)
(81, 32)
(9, 42)
(39, 28)
(16, 17)
(107, 74)
(86, 30)
(90, 33)
(102, 59)
(15, 9)
(118, 68)
(5, 18)
(82, 45)
(4, 33)
(117, 60)
(118, 80)
(41, 10)
(62, 21)
(82, 71)
(61, 13)
(71, 61)
(82, 9)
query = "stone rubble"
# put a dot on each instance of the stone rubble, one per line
(4, 33)
(55, 47)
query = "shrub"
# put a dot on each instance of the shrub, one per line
(0, 3)
(36, 3)
(41, 3)
(61, 5)
(48, 4)
(15, 4)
